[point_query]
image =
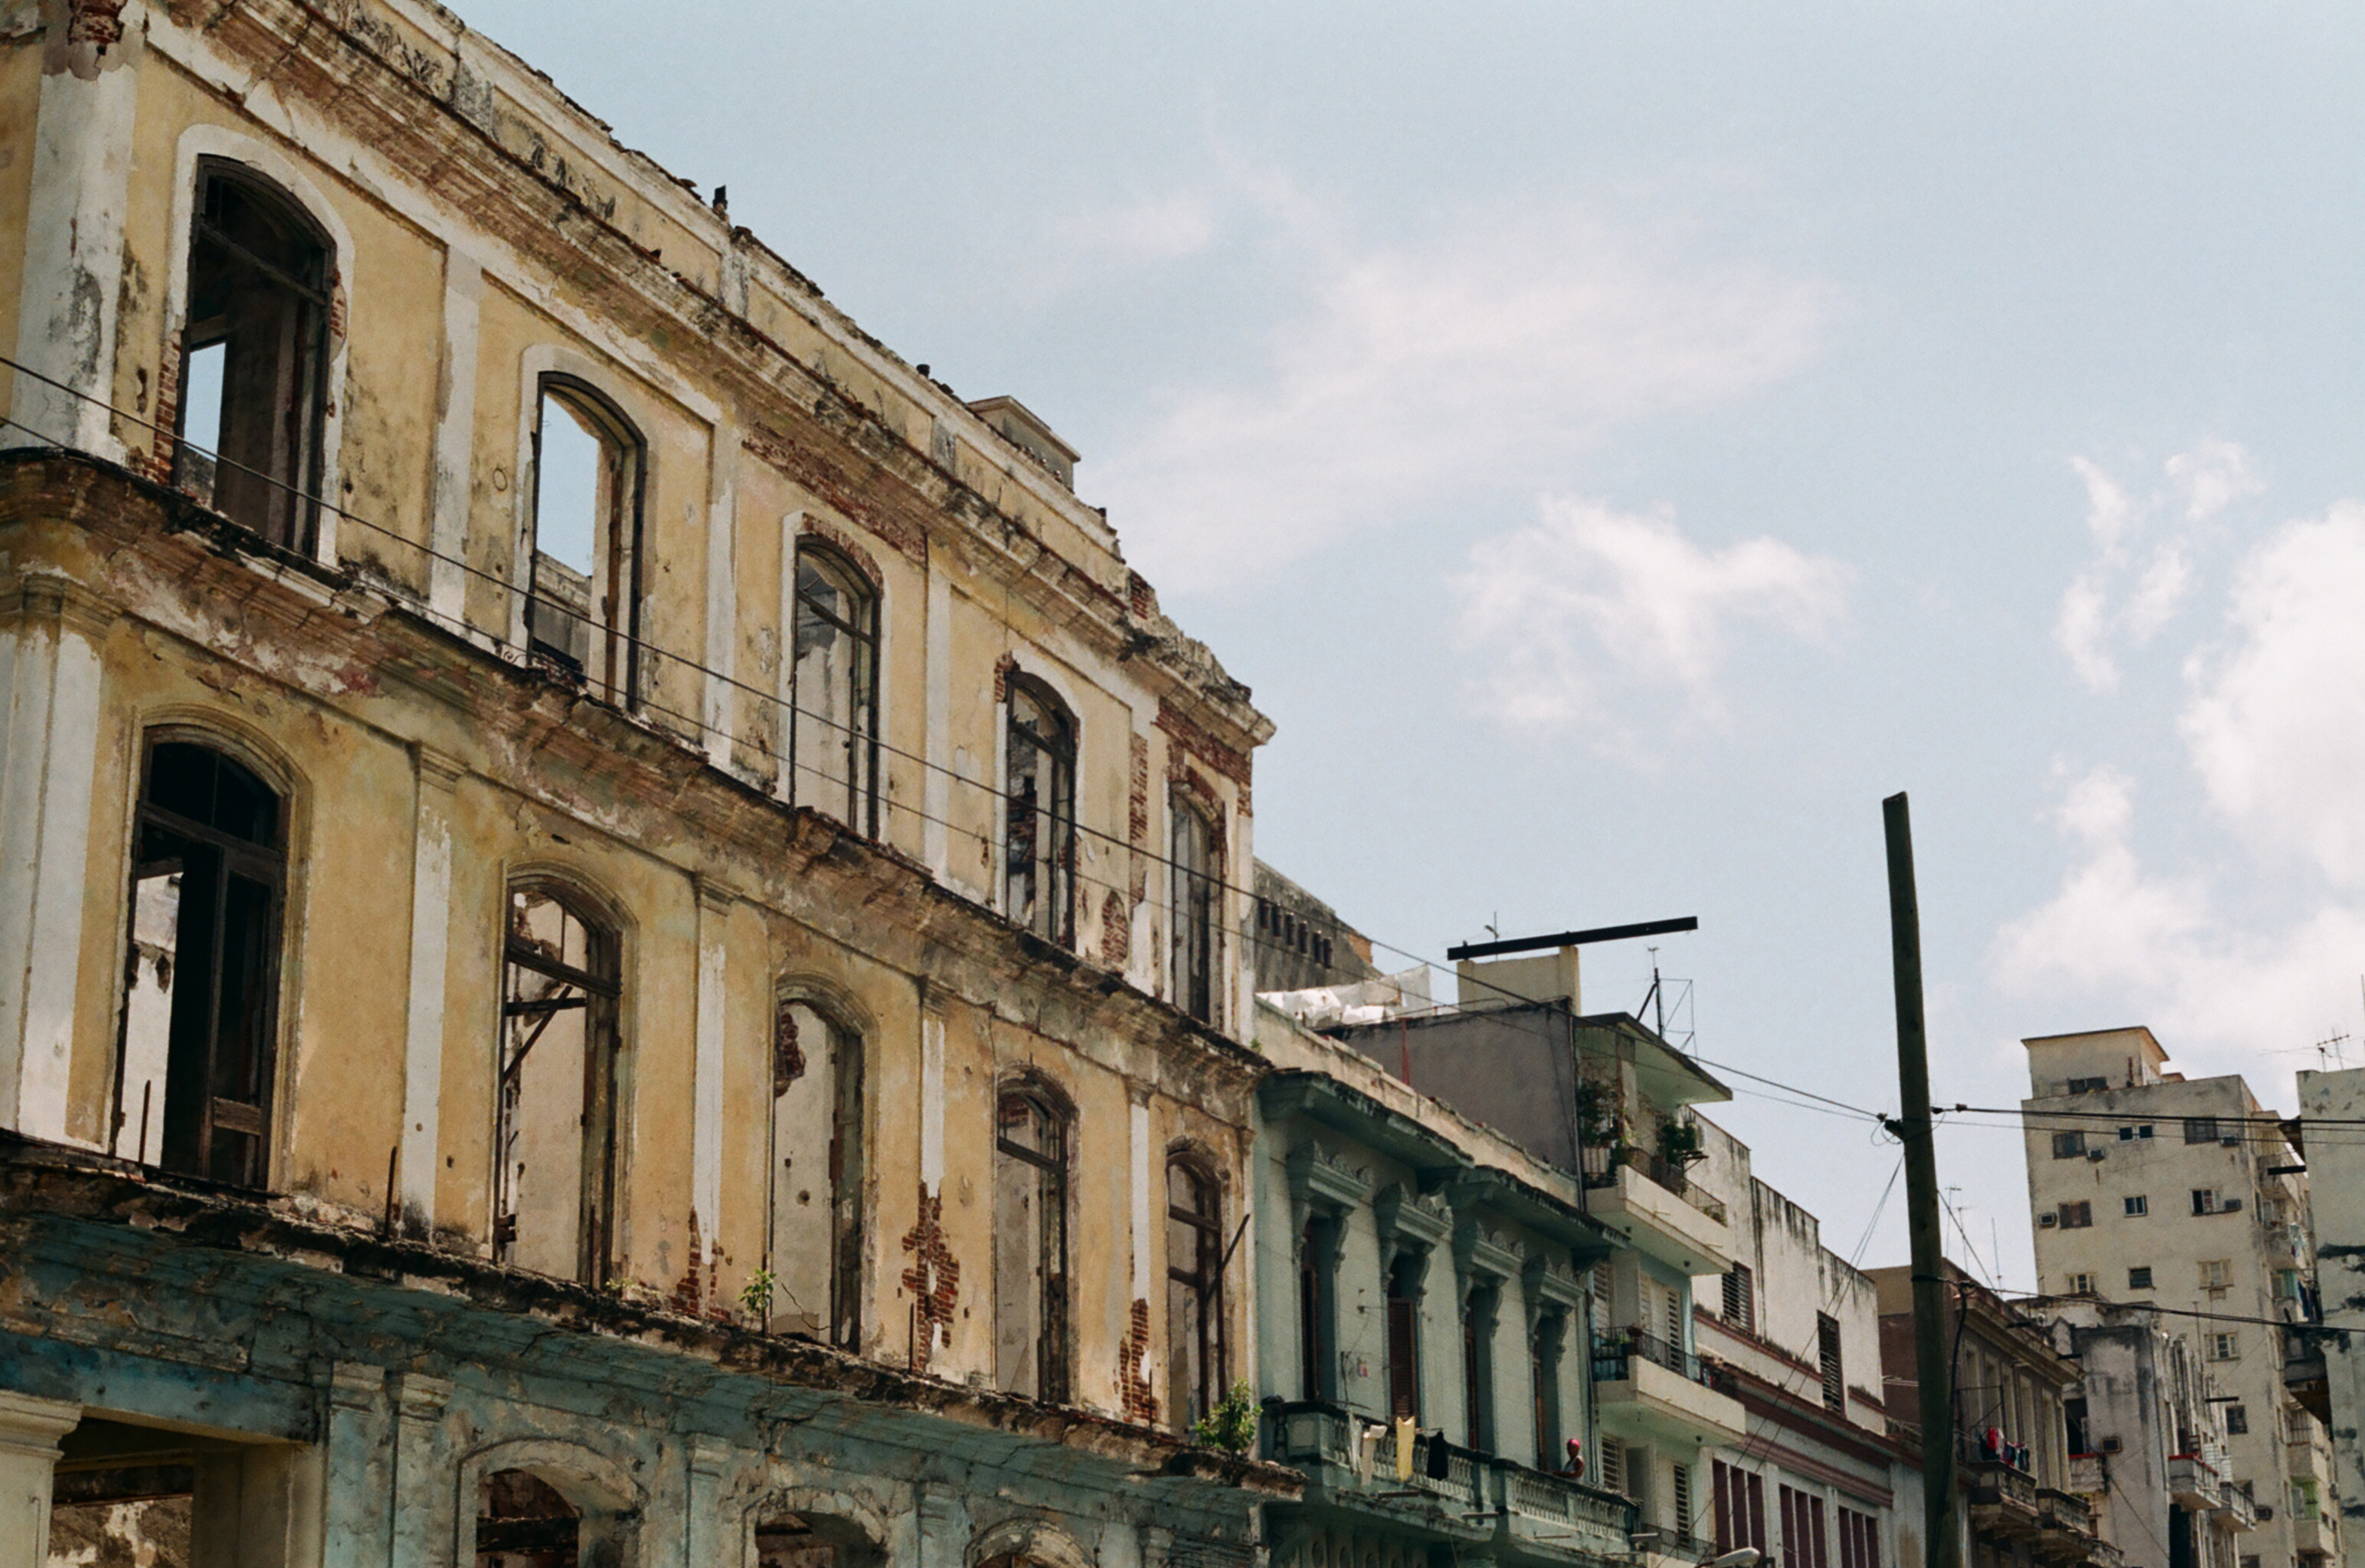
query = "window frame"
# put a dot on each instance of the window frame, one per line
(863, 629)
(1203, 1284)
(849, 1201)
(1194, 907)
(263, 863)
(1051, 826)
(613, 619)
(1054, 1305)
(305, 478)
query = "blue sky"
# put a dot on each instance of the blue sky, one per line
(1621, 442)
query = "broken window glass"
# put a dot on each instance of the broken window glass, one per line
(1194, 1297)
(1030, 1246)
(586, 467)
(1040, 847)
(198, 1029)
(254, 379)
(556, 1134)
(1193, 915)
(814, 1249)
(833, 717)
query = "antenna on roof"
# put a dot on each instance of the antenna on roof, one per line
(1658, 997)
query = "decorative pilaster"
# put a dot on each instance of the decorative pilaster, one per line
(431, 930)
(29, 1430)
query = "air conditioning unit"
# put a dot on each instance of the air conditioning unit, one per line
(2229, 1143)
(2047, 1222)
(2230, 1206)
(2110, 1445)
(2266, 1512)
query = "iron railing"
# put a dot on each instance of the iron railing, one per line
(1613, 1357)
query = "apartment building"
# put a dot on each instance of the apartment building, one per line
(1822, 1479)
(2332, 1129)
(2146, 1187)
(1426, 1333)
(2013, 1377)
(624, 927)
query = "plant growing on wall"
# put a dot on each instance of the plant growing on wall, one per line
(1232, 1423)
(756, 1296)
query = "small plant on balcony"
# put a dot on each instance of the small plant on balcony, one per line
(1597, 1113)
(1679, 1142)
(1231, 1425)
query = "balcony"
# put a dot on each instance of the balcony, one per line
(2303, 1374)
(1650, 1391)
(2086, 1474)
(1476, 1495)
(1653, 1205)
(2065, 1528)
(2314, 1536)
(2236, 1508)
(2004, 1501)
(2193, 1482)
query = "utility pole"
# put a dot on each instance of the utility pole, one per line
(1944, 1547)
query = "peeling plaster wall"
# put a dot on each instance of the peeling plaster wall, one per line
(2336, 1168)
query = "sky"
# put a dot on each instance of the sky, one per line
(1621, 442)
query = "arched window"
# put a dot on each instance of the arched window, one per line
(200, 1028)
(1030, 1243)
(254, 355)
(815, 1233)
(1039, 849)
(1194, 1290)
(1193, 878)
(523, 1521)
(1403, 1301)
(833, 721)
(555, 1138)
(582, 608)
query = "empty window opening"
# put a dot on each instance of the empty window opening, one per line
(198, 1033)
(555, 1140)
(582, 593)
(1316, 1306)
(1030, 1245)
(1196, 1371)
(2200, 1129)
(522, 1522)
(1404, 1334)
(2068, 1146)
(833, 714)
(2139, 1277)
(1194, 874)
(254, 355)
(1040, 850)
(814, 1541)
(2077, 1217)
(124, 1495)
(1478, 1363)
(814, 1237)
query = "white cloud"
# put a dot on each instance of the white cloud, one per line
(1587, 592)
(2276, 723)
(1413, 368)
(2155, 580)
(2143, 948)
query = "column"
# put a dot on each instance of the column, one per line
(358, 1508)
(722, 598)
(706, 1127)
(423, 1475)
(935, 791)
(74, 228)
(29, 1430)
(706, 1537)
(49, 740)
(430, 934)
(455, 428)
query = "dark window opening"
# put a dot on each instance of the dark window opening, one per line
(1478, 1364)
(2073, 1417)
(833, 713)
(2089, 1085)
(1194, 874)
(1030, 1246)
(555, 1136)
(253, 357)
(815, 1216)
(2200, 1129)
(522, 1522)
(2139, 1279)
(198, 1038)
(582, 606)
(814, 1541)
(2077, 1217)
(1317, 1307)
(1403, 1335)
(1739, 1505)
(1827, 1354)
(1040, 847)
(2238, 1420)
(1194, 1292)
(1543, 1379)
(2068, 1146)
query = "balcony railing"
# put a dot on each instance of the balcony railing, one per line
(1601, 1170)
(2086, 1474)
(1613, 1357)
(1995, 1484)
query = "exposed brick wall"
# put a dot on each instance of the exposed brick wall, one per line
(827, 480)
(932, 1280)
(1132, 1376)
(1225, 761)
(842, 542)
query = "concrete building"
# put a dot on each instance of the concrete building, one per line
(623, 925)
(2187, 1196)
(2332, 1134)
(2147, 1438)
(1605, 1098)
(1425, 1330)
(1793, 1331)
(2013, 1376)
